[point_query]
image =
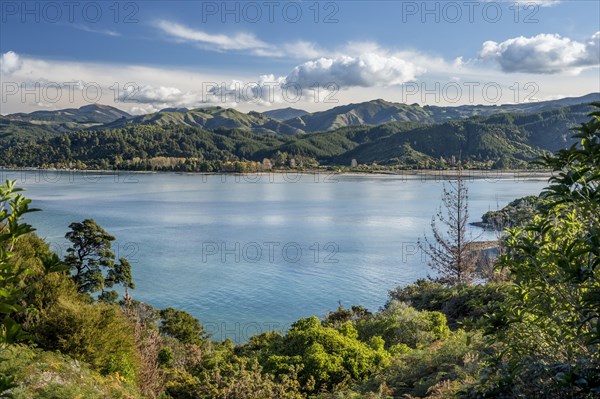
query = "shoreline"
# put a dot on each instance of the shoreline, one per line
(468, 174)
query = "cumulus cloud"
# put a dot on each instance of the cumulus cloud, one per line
(264, 91)
(363, 54)
(10, 62)
(369, 70)
(374, 68)
(152, 98)
(543, 54)
(66, 84)
(328, 75)
(152, 95)
(366, 70)
(593, 50)
(149, 98)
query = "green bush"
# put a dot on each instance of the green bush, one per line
(221, 374)
(181, 326)
(461, 304)
(330, 356)
(95, 333)
(443, 366)
(165, 357)
(41, 290)
(402, 324)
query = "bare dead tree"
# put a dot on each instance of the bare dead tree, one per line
(149, 342)
(451, 253)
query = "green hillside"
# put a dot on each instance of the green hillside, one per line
(15, 131)
(503, 138)
(374, 112)
(211, 118)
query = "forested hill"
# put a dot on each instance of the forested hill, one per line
(93, 113)
(210, 118)
(496, 141)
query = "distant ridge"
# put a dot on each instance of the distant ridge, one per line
(378, 112)
(284, 114)
(93, 113)
(285, 121)
(183, 109)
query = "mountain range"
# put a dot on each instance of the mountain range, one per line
(373, 132)
(378, 112)
(284, 121)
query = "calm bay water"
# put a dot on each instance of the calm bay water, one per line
(248, 254)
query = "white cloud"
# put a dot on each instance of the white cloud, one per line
(328, 74)
(246, 42)
(541, 3)
(303, 49)
(77, 84)
(362, 70)
(367, 56)
(106, 32)
(593, 50)
(543, 54)
(149, 98)
(153, 95)
(264, 91)
(366, 70)
(321, 78)
(10, 62)
(240, 41)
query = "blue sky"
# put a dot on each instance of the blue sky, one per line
(191, 53)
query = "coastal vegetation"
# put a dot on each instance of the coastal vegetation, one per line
(517, 213)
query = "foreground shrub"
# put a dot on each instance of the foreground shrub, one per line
(49, 375)
(221, 374)
(460, 304)
(98, 334)
(435, 371)
(400, 324)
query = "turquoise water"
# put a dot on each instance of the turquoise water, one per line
(247, 254)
